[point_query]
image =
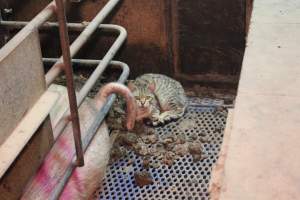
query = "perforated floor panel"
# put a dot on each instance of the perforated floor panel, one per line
(185, 179)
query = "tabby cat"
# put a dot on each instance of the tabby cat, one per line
(159, 98)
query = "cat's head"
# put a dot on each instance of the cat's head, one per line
(143, 94)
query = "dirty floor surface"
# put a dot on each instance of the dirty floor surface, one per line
(185, 178)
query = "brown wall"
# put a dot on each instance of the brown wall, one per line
(204, 37)
(211, 36)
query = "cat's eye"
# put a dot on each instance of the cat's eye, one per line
(149, 98)
(137, 97)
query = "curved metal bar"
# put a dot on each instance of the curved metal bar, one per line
(105, 61)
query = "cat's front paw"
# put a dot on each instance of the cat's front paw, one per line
(157, 120)
(156, 123)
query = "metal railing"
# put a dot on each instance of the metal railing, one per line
(65, 63)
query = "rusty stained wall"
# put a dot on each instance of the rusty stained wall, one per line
(209, 34)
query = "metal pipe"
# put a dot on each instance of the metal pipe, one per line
(95, 75)
(81, 39)
(102, 65)
(67, 67)
(82, 62)
(46, 26)
(93, 128)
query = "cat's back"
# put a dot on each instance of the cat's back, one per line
(160, 80)
(166, 88)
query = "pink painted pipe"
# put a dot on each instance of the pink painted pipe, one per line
(84, 180)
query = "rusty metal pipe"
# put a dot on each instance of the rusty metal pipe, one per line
(67, 67)
(81, 39)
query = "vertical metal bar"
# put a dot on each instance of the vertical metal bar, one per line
(64, 40)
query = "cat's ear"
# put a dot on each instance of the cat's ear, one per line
(131, 86)
(152, 87)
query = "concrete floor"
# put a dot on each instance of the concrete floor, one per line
(263, 161)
